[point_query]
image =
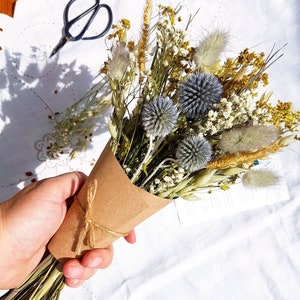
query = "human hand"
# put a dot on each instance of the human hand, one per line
(28, 221)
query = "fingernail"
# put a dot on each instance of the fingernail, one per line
(74, 282)
(73, 273)
(95, 262)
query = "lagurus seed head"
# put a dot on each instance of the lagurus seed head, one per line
(248, 138)
(193, 153)
(260, 178)
(198, 94)
(159, 116)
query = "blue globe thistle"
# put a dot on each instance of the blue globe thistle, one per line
(193, 153)
(159, 116)
(198, 94)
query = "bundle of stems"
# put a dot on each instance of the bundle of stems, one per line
(45, 283)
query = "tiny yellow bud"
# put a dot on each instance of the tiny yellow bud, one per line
(286, 140)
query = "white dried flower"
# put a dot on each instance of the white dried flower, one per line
(249, 138)
(209, 50)
(168, 179)
(260, 178)
(119, 63)
(157, 181)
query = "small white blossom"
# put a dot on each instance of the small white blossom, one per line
(226, 114)
(213, 130)
(167, 179)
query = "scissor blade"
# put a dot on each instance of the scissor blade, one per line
(61, 43)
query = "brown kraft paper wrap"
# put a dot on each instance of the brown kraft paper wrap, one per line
(107, 207)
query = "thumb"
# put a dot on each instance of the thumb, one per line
(56, 189)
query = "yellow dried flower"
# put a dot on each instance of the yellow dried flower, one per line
(143, 43)
(120, 31)
(104, 69)
(131, 46)
(238, 159)
(243, 73)
(168, 11)
(283, 115)
(125, 23)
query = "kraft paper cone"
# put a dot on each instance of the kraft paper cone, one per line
(117, 207)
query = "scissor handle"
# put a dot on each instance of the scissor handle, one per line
(95, 8)
(108, 25)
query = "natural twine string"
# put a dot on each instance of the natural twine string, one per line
(89, 225)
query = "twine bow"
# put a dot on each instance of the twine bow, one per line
(89, 225)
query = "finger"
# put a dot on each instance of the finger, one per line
(73, 270)
(58, 188)
(73, 283)
(98, 258)
(131, 237)
(92, 261)
(66, 185)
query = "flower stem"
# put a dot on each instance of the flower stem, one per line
(156, 169)
(146, 158)
(149, 155)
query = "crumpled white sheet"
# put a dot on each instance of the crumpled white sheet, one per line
(249, 255)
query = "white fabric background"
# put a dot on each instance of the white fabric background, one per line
(250, 255)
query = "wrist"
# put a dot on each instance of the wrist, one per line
(4, 268)
(15, 263)
(9, 266)
(2, 235)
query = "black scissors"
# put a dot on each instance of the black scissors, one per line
(69, 23)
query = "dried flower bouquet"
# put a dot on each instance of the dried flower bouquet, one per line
(182, 120)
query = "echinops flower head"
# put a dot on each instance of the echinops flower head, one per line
(198, 94)
(159, 116)
(193, 153)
